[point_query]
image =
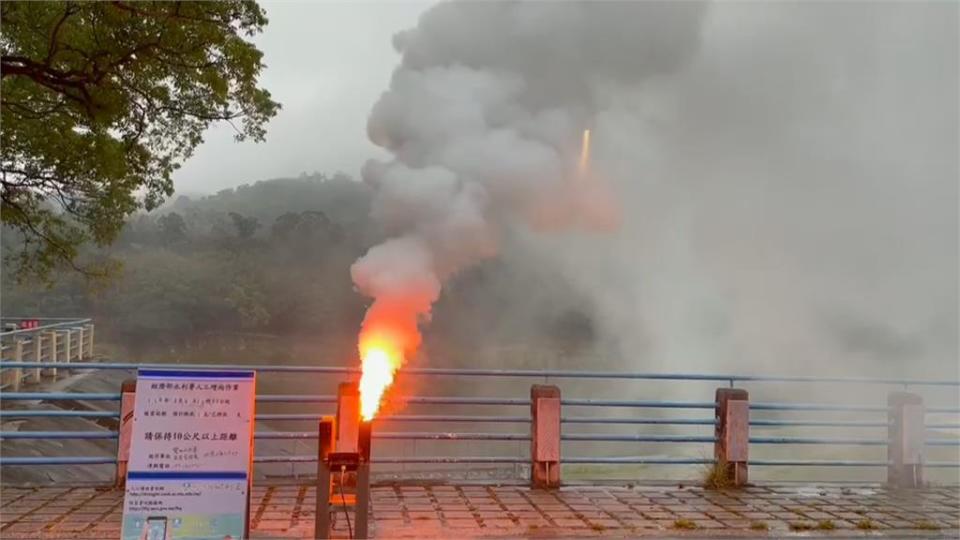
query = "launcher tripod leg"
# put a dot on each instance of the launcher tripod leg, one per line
(363, 499)
(321, 527)
(322, 512)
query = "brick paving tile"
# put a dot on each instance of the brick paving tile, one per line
(422, 515)
(425, 512)
(457, 514)
(692, 515)
(736, 523)
(461, 523)
(640, 523)
(605, 523)
(570, 523)
(778, 525)
(659, 515)
(722, 515)
(524, 513)
(590, 514)
(25, 527)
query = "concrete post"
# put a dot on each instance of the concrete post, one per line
(52, 336)
(545, 436)
(80, 343)
(732, 431)
(6, 375)
(34, 373)
(17, 372)
(66, 346)
(128, 394)
(906, 435)
(90, 340)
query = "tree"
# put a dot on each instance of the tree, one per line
(101, 102)
(284, 226)
(246, 226)
(173, 228)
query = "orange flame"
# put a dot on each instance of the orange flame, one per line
(379, 361)
(389, 336)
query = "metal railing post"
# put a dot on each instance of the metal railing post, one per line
(80, 344)
(128, 395)
(732, 431)
(545, 436)
(906, 433)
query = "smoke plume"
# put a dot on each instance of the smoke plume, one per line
(790, 197)
(484, 118)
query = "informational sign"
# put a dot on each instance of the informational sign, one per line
(190, 456)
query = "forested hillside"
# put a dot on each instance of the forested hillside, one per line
(273, 259)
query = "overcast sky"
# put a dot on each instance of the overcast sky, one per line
(327, 63)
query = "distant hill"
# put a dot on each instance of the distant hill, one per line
(343, 199)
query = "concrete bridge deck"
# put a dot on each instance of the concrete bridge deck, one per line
(475, 511)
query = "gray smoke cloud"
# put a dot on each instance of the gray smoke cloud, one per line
(484, 118)
(785, 175)
(790, 196)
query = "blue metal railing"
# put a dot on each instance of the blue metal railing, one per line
(527, 373)
(399, 421)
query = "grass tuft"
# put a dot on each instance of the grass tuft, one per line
(801, 526)
(684, 524)
(866, 525)
(759, 526)
(927, 526)
(717, 475)
(826, 525)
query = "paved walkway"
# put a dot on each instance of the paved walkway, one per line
(446, 511)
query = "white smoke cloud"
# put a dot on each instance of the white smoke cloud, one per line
(484, 119)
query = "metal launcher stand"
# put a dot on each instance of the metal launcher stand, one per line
(343, 477)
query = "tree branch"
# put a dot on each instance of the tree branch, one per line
(54, 43)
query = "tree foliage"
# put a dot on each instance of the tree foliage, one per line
(101, 102)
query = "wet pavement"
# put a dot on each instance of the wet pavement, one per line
(473, 511)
